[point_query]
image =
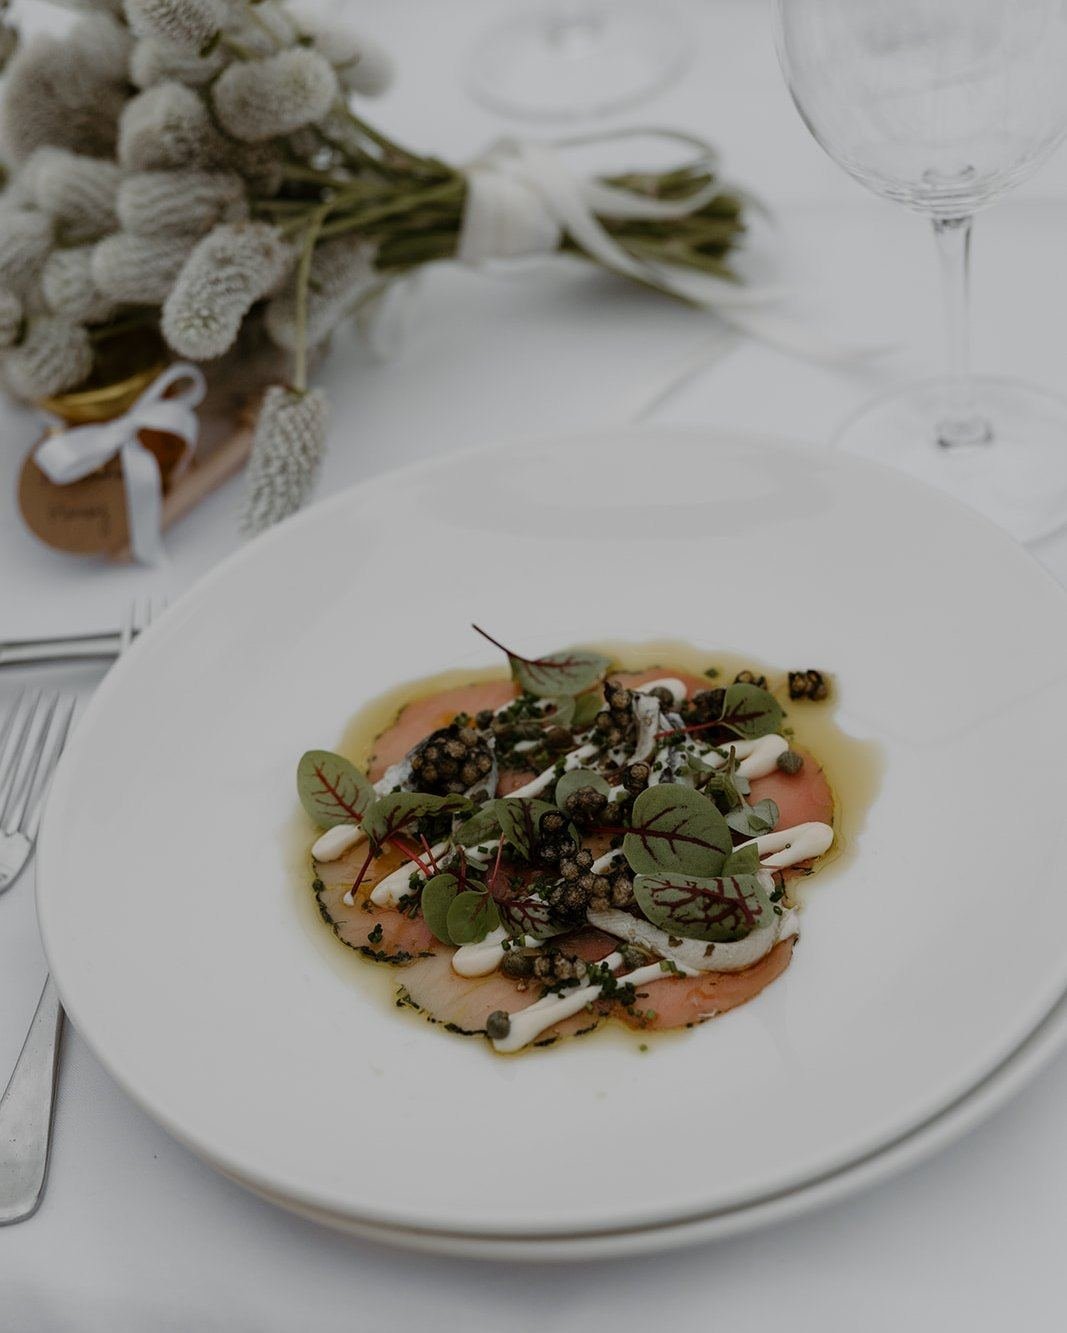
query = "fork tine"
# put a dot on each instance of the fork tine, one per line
(32, 817)
(9, 775)
(9, 724)
(18, 796)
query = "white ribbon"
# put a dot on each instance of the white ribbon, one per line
(69, 455)
(522, 199)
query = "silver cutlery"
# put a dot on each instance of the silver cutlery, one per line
(75, 648)
(31, 740)
(27, 1104)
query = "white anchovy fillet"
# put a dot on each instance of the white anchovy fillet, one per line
(528, 1024)
(646, 709)
(674, 686)
(734, 956)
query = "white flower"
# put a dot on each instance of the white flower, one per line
(260, 165)
(287, 449)
(168, 126)
(269, 29)
(52, 96)
(261, 99)
(230, 269)
(78, 192)
(10, 317)
(139, 269)
(25, 240)
(69, 289)
(361, 65)
(187, 25)
(153, 62)
(342, 270)
(185, 202)
(54, 356)
(103, 44)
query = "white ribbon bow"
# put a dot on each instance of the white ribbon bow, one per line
(69, 455)
(522, 198)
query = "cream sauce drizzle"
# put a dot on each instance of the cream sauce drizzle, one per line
(789, 846)
(528, 1024)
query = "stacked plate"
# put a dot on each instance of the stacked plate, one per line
(926, 988)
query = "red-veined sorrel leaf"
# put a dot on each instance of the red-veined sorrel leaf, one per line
(331, 789)
(471, 917)
(481, 827)
(751, 712)
(742, 861)
(719, 909)
(519, 817)
(572, 671)
(438, 895)
(528, 916)
(676, 829)
(392, 814)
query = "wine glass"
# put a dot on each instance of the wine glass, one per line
(945, 105)
(572, 58)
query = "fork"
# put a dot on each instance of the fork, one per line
(70, 648)
(27, 1104)
(31, 740)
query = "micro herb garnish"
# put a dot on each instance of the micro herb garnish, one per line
(748, 710)
(528, 915)
(471, 916)
(753, 820)
(575, 780)
(570, 672)
(438, 894)
(719, 909)
(519, 817)
(676, 829)
(331, 789)
(482, 827)
(390, 815)
(375, 937)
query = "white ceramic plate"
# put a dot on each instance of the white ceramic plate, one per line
(977, 1105)
(168, 909)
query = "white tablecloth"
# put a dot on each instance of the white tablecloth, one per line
(136, 1235)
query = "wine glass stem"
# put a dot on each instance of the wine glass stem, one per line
(962, 422)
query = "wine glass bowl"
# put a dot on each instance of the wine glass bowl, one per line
(944, 106)
(941, 105)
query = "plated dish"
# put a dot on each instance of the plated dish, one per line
(188, 948)
(576, 843)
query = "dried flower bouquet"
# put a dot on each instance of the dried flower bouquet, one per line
(195, 169)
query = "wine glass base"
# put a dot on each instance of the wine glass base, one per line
(571, 59)
(1011, 463)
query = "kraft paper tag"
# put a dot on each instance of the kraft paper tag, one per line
(88, 517)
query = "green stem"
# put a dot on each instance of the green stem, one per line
(303, 276)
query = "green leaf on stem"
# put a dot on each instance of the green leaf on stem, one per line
(397, 812)
(331, 789)
(471, 916)
(750, 711)
(438, 894)
(570, 672)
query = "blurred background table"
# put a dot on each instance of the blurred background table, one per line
(135, 1233)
